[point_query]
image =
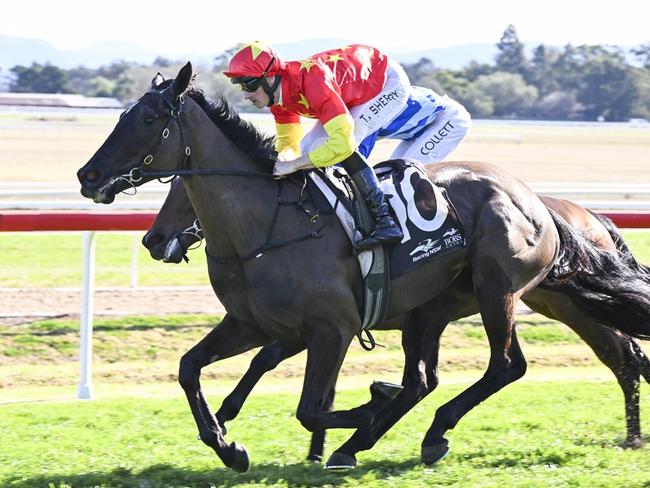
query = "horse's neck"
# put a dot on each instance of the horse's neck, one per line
(235, 211)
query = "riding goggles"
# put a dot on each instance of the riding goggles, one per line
(248, 83)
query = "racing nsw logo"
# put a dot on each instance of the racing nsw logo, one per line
(427, 247)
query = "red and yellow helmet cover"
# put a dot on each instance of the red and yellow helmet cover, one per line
(255, 60)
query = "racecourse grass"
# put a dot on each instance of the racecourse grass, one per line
(561, 426)
(53, 259)
(147, 349)
(531, 434)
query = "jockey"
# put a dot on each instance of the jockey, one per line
(354, 93)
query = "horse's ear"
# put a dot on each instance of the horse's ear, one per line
(182, 80)
(157, 81)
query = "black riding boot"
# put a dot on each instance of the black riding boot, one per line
(385, 231)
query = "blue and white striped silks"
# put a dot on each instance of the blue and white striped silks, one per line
(422, 107)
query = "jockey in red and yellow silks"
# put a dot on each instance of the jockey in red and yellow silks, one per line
(323, 87)
(352, 92)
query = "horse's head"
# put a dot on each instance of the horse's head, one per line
(175, 229)
(147, 135)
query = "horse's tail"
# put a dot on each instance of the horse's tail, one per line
(620, 244)
(602, 284)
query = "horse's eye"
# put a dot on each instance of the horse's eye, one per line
(150, 118)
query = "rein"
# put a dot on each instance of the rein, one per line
(137, 174)
(299, 204)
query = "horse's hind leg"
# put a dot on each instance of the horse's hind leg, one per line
(617, 352)
(420, 340)
(263, 362)
(620, 353)
(507, 363)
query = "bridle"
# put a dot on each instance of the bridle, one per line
(139, 173)
(193, 230)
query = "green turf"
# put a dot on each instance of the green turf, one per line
(139, 432)
(533, 435)
(54, 259)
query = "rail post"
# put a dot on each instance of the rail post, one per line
(85, 390)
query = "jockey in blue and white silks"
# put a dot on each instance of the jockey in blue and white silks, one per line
(430, 127)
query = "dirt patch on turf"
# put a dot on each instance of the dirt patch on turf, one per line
(21, 305)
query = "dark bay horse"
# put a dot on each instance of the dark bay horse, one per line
(309, 294)
(172, 234)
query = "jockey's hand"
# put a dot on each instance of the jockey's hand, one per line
(283, 168)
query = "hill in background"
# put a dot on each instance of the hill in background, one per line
(23, 51)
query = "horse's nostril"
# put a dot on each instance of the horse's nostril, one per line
(92, 176)
(153, 239)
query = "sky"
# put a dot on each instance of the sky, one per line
(213, 26)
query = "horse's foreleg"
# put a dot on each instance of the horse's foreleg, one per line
(325, 354)
(264, 361)
(507, 364)
(229, 338)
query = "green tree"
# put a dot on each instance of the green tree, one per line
(476, 101)
(641, 107)
(511, 57)
(511, 95)
(473, 70)
(608, 85)
(162, 62)
(541, 72)
(423, 68)
(39, 78)
(558, 105)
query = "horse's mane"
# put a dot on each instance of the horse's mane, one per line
(244, 135)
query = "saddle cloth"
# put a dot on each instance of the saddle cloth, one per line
(423, 211)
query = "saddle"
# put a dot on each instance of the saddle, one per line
(423, 211)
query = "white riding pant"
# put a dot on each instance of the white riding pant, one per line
(441, 136)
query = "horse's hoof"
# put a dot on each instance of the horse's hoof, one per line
(314, 458)
(385, 391)
(432, 454)
(240, 462)
(634, 443)
(339, 461)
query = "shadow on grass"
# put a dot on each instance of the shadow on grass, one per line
(164, 475)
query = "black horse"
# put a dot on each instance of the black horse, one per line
(309, 294)
(176, 229)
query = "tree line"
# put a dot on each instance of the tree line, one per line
(588, 82)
